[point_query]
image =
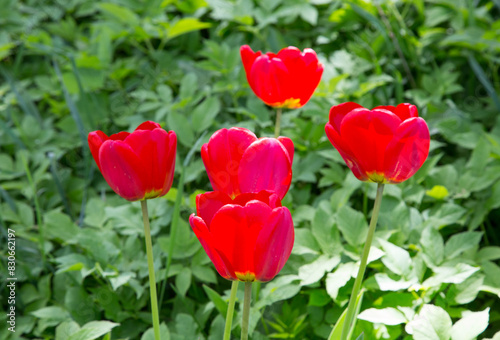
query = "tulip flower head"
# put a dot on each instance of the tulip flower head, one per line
(248, 238)
(384, 145)
(137, 165)
(284, 80)
(238, 162)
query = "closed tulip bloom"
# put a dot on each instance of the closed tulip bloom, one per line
(384, 145)
(248, 238)
(238, 162)
(287, 79)
(137, 165)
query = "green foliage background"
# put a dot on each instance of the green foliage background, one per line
(71, 67)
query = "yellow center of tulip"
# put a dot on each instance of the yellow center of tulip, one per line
(152, 194)
(245, 277)
(291, 103)
(376, 177)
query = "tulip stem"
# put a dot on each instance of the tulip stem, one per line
(362, 267)
(230, 311)
(246, 311)
(277, 127)
(152, 280)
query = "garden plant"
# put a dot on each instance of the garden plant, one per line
(340, 159)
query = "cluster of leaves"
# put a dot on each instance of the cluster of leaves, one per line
(70, 67)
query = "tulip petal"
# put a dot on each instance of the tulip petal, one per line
(267, 79)
(148, 125)
(95, 140)
(209, 203)
(123, 169)
(338, 112)
(408, 150)
(404, 110)
(157, 154)
(368, 133)
(265, 165)
(224, 268)
(221, 157)
(288, 144)
(266, 196)
(345, 152)
(274, 244)
(248, 57)
(235, 230)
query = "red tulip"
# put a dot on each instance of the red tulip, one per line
(237, 162)
(137, 165)
(287, 79)
(385, 145)
(249, 238)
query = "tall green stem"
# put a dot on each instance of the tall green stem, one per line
(246, 311)
(277, 126)
(230, 311)
(151, 268)
(362, 267)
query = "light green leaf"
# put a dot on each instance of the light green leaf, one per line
(150, 333)
(433, 247)
(352, 225)
(120, 13)
(93, 330)
(471, 325)
(186, 25)
(218, 301)
(65, 329)
(313, 272)
(459, 243)
(338, 279)
(204, 114)
(387, 316)
(438, 192)
(182, 128)
(396, 259)
(432, 323)
(183, 281)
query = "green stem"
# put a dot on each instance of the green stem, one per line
(38, 210)
(246, 311)
(277, 127)
(230, 311)
(151, 268)
(362, 266)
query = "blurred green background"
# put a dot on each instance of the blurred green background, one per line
(68, 67)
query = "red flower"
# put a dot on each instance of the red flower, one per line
(138, 165)
(287, 79)
(237, 162)
(249, 238)
(385, 145)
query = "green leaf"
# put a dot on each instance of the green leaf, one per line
(432, 323)
(183, 281)
(52, 312)
(433, 247)
(150, 333)
(438, 192)
(93, 330)
(60, 226)
(352, 225)
(313, 272)
(182, 128)
(204, 273)
(459, 243)
(65, 329)
(120, 13)
(336, 332)
(325, 233)
(218, 301)
(186, 25)
(338, 279)
(465, 292)
(396, 259)
(471, 325)
(387, 316)
(204, 114)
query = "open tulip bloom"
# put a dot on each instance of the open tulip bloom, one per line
(138, 166)
(384, 145)
(238, 162)
(248, 238)
(287, 79)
